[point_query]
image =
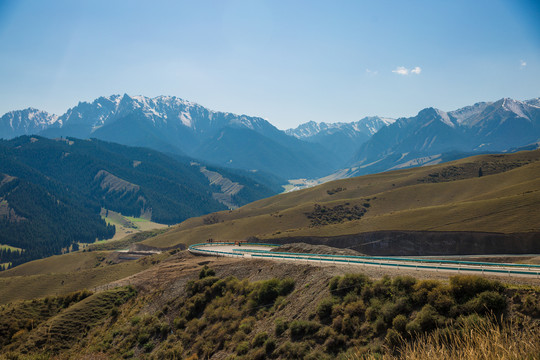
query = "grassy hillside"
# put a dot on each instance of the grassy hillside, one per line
(487, 193)
(59, 275)
(289, 311)
(126, 225)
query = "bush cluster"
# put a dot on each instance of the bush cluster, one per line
(388, 310)
(323, 215)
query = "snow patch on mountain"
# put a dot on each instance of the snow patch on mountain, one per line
(367, 126)
(445, 118)
(533, 102)
(27, 121)
(517, 107)
(465, 115)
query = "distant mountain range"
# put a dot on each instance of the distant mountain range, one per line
(312, 150)
(343, 139)
(173, 125)
(435, 136)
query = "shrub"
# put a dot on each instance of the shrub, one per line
(269, 346)
(242, 348)
(440, 299)
(337, 323)
(335, 344)
(379, 326)
(382, 288)
(426, 319)
(403, 284)
(266, 292)
(421, 290)
(324, 310)
(465, 287)
(317, 355)
(342, 285)
(300, 329)
(206, 271)
(350, 324)
(324, 333)
(357, 308)
(530, 306)
(373, 311)
(399, 323)
(487, 301)
(201, 285)
(281, 326)
(291, 350)
(286, 286)
(148, 347)
(246, 325)
(179, 323)
(392, 338)
(135, 320)
(388, 311)
(257, 354)
(259, 339)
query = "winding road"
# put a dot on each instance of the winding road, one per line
(262, 251)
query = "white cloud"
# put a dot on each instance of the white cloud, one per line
(371, 72)
(402, 70)
(522, 63)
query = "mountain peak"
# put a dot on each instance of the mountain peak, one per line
(27, 121)
(431, 113)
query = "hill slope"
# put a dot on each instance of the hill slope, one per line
(52, 191)
(449, 197)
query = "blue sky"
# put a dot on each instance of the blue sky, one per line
(287, 61)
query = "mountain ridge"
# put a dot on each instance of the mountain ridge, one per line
(312, 150)
(171, 124)
(500, 126)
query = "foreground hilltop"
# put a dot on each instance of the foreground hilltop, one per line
(187, 307)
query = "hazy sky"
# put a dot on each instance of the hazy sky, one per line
(288, 61)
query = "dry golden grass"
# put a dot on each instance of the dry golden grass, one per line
(35, 286)
(484, 340)
(126, 225)
(504, 202)
(71, 262)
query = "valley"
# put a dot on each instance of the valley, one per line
(411, 210)
(371, 253)
(126, 225)
(269, 180)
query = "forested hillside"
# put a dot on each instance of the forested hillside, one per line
(43, 224)
(52, 191)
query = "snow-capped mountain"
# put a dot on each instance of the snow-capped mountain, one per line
(174, 125)
(373, 144)
(27, 121)
(340, 138)
(432, 135)
(162, 112)
(366, 126)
